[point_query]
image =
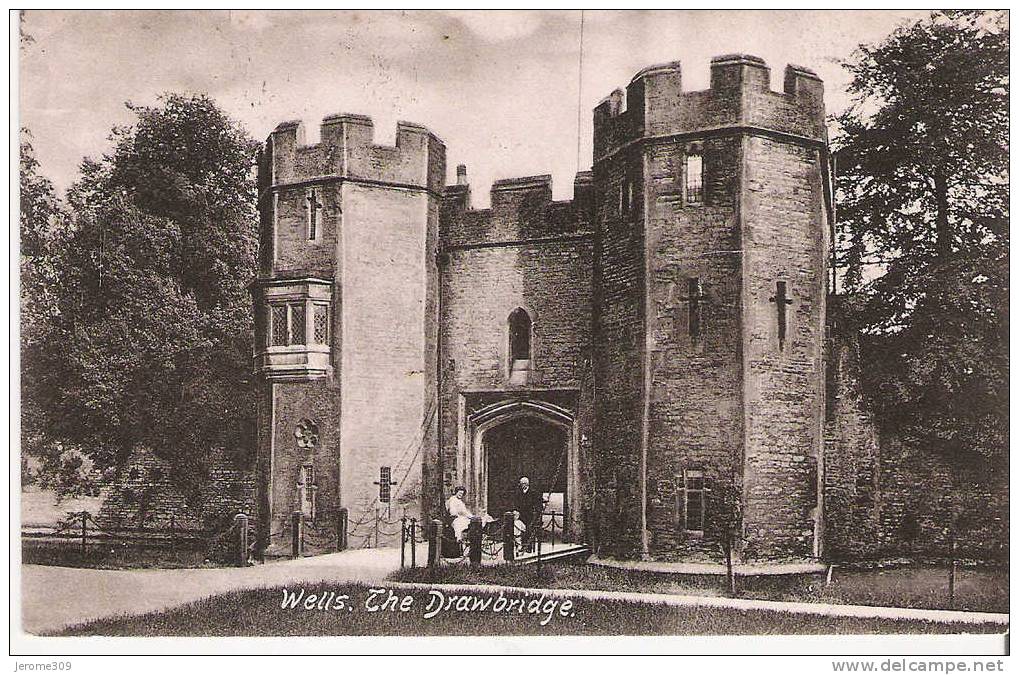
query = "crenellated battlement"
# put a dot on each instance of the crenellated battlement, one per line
(522, 208)
(347, 149)
(654, 103)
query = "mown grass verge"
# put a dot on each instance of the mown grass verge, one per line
(260, 613)
(920, 587)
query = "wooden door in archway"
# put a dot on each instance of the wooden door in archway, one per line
(525, 446)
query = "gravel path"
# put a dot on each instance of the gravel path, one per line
(53, 597)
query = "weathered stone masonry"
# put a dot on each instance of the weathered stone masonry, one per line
(654, 347)
(729, 402)
(352, 238)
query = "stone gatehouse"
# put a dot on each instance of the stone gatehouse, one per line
(650, 353)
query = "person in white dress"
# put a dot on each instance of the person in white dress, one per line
(460, 515)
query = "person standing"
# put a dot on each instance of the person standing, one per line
(527, 504)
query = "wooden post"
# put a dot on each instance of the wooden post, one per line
(341, 529)
(951, 575)
(509, 538)
(403, 540)
(376, 526)
(413, 542)
(241, 521)
(730, 576)
(434, 543)
(297, 534)
(84, 526)
(474, 540)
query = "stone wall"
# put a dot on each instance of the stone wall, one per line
(851, 458)
(388, 340)
(619, 284)
(294, 403)
(784, 241)
(920, 493)
(695, 411)
(143, 495)
(376, 241)
(887, 496)
(525, 252)
(730, 403)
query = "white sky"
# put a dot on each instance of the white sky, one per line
(500, 88)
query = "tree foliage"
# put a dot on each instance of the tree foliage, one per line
(922, 245)
(150, 341)
(43, 228)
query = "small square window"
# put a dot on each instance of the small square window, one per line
(385, 484)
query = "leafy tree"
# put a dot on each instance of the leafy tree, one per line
(43, 227)
(922, 179)
(151, 340)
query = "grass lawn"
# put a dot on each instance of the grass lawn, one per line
(259, 613)
(977, 589)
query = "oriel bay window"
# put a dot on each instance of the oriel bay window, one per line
(297, 332)
(289, 323)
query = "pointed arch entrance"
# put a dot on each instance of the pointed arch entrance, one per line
(522, 437)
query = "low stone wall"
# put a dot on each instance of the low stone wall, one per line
(887, 496)
(144, 495)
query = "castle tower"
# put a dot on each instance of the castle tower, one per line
(346, 321)
(709, 292)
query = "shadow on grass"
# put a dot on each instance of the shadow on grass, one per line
(922, 587)
(114, 556)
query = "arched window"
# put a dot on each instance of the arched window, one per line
(694, 178)
(519, 335)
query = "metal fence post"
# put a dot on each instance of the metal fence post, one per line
(297, 534)
(509, 537)
(474, 540)
(241, 521)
